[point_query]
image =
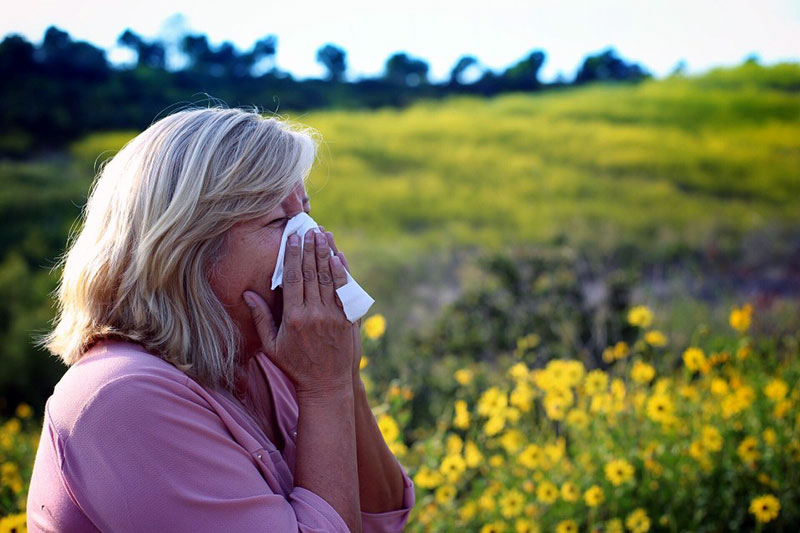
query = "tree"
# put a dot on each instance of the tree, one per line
(525, 74)
(463, 63)
(607, 66)
(151, 54)
(334, 59)
(263, 53)
(63, 57)
(407, 71)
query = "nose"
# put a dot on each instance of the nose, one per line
(297, 201)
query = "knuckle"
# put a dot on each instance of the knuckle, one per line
(325, 278)
(293, 276)
(309, 275)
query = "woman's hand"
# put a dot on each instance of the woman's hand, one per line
(314, 345)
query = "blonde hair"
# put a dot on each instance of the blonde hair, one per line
(156, 220)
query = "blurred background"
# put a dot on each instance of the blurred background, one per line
(509, 180)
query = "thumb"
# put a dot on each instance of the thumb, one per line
(262, 317)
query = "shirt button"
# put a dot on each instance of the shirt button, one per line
(294, 433)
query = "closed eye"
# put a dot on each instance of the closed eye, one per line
(277, 221)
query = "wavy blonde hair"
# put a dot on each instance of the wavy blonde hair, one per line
(155, 222)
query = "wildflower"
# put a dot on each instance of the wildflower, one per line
(596, 382)
(621, 350)
(445, 494)
(765, 508)
(494, 527)
(452, 467)
(740, 318)
(522, 397)
(776, 389)
(770, 436)
(468, 511)
(642, 372)
(655, 338)
(496, 460)
(512, 440)
(614, 526)
(748, 450)
(578, 419)
(511, 503)
(523, 525)
(694, 358)
(659, 408)
(375, 326)
(427, 478)
(494, 425)
(640, 316)
(711, 438)
(638, 521)
(567, 526)
(593, 496)
(530, 456)
(547, 492)
(464, 376)
(461, 419)
(362, 364)
(492, 402)
(570, 492)
(472, 455)
(486, 502)
(454, 444)
(24, 411)
(518, 372)
(719, 387)
(619, 471)
(388, 427)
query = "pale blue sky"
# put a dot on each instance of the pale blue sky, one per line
(658, 34)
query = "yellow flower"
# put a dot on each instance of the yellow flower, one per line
(494, 425)
(522, 396)
(640, 316)
(494, 527)
(659, 408)
(712, 440)
(518, 372)
(452, 467)
(512, 440)
(492, 402)
(375, 326)
(776, 389)
(593, 496)
(496, 460)
(427, 478)
(642, 372)
(614, 526)
(14, 522)
(454, 444)
(468, 511)
(748, 450)
(719, 387)
(770, 436)
(363, 362)
(655, 338)
(523, 525)
(578, 419)
(694, 358)
(621, 350)
(740, 318)
(445, 494)
(464, 376)
(461, 419)
(530, 456)
(765, 508)
(511, 503)
(547, 492)
(398, 448)
(570, 492)
(596, 382)
(486, 502)
(567, 526)
(619, 471)
(388, 427)
(638, 521)
(472, 455)
(24, 411)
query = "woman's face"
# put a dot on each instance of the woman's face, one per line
(248, 262)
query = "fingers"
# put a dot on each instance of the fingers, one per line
(338, 272)
(336, 251)
(262, 317)
(310, 285)
(324, 277)
(292, 274)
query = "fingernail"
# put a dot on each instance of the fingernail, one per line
(294, 240)
(321, 239)
(249, 299)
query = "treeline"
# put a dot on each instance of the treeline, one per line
(61, 89)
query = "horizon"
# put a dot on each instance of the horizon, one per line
(658, 37)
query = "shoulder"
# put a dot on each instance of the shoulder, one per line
(120, 378)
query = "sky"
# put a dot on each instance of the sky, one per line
(654, 33)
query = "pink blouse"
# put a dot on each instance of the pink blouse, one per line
(131, 443)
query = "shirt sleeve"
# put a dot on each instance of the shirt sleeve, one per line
(149, 454)
(391, 521)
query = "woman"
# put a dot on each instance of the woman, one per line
(198, 399)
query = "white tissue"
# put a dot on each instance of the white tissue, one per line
(355, 300)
